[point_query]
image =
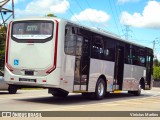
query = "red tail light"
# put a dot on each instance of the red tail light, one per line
(7, 47)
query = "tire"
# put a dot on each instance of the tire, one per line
(12, 89)
(100, 89)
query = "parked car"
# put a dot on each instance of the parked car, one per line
(4, 86)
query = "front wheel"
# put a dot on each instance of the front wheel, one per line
(100, 89)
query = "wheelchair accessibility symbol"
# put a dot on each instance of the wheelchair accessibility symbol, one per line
(16, 62)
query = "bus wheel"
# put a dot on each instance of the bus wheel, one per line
(100, 89)
(12, 89)
(138, 92)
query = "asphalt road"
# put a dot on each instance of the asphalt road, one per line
(40, 100)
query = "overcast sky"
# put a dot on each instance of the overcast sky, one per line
(142, 16)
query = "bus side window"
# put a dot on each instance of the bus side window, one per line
(127, 56)
(79, 45)
(138, 56)
(70, 40)
(109, 49)
(66, 30)
(97, 47)
(73, 30)
(141, 57)
(134, 56)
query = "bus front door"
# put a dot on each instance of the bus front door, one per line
(118, 68)
(82, 62)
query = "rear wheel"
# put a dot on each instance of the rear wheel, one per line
(100, 89)
(12, 89)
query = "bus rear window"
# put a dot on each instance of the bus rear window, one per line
(37, 31)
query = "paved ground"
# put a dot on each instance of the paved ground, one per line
(40, 100)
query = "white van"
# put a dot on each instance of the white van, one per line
(5, 86)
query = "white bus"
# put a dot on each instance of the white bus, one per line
(66, 57)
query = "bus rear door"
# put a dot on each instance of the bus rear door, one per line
(118, 69)
(82, 62)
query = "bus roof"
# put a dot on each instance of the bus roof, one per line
(107, 33)
(95, 30)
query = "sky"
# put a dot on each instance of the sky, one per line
(141, 18)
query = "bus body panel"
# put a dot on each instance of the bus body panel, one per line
(101, 67)
(41, 55)
(67, 71)
(37, 57)
(132, 76)
(66, 62)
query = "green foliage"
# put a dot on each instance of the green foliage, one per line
(2, 46)
(156, 73)
(156, 69)
(51, 15)
(156, 62)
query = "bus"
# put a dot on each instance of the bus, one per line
(66, 57)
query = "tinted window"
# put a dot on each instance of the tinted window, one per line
(127, 57)
(109, 49)
(138, 56)
(37, 31)
(70, 40)
(141, 57)
(79, 45)
(97, 47)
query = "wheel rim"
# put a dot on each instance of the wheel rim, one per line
(100, 89)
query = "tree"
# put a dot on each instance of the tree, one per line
(51, 15)
(156, 63)
(2, 45)
(156, 73)
(156, 69)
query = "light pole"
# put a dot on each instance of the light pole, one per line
(154, 43)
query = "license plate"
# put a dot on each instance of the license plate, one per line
(27, 80)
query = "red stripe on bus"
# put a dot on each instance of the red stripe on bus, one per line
(55, 50)
(7, 48)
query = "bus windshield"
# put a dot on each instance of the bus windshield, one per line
(32, 30)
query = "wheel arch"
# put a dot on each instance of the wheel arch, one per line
(104, 79)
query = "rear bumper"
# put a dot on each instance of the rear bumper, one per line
(31, 85)
(51, 80)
